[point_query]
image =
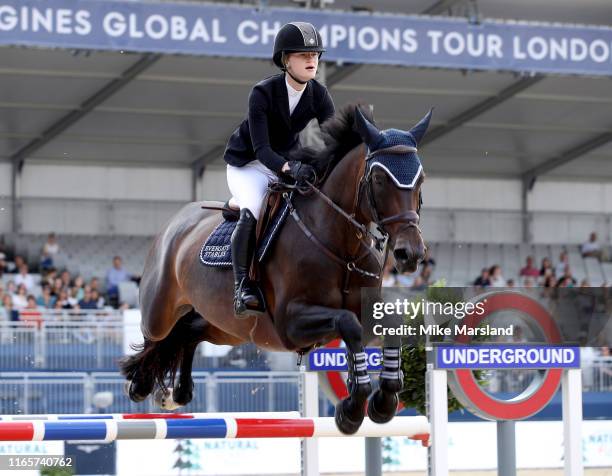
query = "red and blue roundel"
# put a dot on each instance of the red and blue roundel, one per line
(541, 390)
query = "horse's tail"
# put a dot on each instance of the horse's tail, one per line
(156, 362)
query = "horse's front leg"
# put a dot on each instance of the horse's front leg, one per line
(308, 325)
(383, 403)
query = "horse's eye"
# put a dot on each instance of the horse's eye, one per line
(379, 179)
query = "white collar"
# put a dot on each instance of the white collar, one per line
(293, 92)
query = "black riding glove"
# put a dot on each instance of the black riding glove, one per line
(301, 172)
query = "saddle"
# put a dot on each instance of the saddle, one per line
(216, 251)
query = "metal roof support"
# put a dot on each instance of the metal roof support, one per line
(481, 107)
(55, 129)
(440, 6)
(339, 73)
(197, 171)
(86, 107)
(14, 208)
(198, 166)
(525, 218)
(552, 163)
(201, 162)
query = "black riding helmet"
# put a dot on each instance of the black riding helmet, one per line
(296, 37)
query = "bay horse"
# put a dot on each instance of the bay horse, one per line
(311, 280)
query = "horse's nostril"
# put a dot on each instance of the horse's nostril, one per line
(400, 254)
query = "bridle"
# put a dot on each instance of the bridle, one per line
(368, 239)
(410, 217)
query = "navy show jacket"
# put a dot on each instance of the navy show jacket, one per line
(268, 133)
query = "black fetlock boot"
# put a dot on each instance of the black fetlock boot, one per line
(248, 298)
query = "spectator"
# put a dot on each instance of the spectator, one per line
(114, 277)
(496, 279)
(11, 288)
(7, 313)
(562, 264)
(65, 277)
(419, 284)
(1, 292)
(427, 259)
(77, 290)
(15, 265)
(31, 304)
(31, 312)
(24, 277)
(3, 258)
(571, 281)
(46, 300)
(46, 262)
(426, 274)
(591, 248)
(58, 285)
(49, 277)
(529, 282)
(546, 266)
(94, 283)
(510, 283)
(483, 280)
(49, 252)
(63, 301)
(550, 281)
(95, 295)
(20, 299)
(529, 270)
(88, 301)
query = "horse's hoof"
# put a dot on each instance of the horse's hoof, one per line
(182, 398)
(164, 400)
(344, 423)
(129, 387)
(387, 407)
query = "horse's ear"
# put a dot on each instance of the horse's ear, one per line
(418, 131)
(368, 132)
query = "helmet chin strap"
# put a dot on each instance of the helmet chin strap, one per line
(286, 70)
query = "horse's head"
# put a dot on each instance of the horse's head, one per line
(392, 186)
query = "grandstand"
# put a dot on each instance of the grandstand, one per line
(102, 144)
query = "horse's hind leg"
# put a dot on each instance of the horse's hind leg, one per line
(308, 325)
(158, 360)
(139, 383)
(182, 393)
(196, 330)
(382, 405)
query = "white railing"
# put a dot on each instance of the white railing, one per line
(85, 343)
(64, 392)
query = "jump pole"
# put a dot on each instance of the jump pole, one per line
(226, 427)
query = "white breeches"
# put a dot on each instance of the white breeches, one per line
(249, 184)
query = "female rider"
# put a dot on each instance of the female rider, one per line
(280, 107)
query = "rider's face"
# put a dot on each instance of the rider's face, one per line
(303, 65)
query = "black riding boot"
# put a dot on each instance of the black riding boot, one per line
(248, 298)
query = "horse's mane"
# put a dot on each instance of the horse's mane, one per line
(339, 137)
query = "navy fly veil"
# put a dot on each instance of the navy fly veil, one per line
(394, 150)
(398, 158)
